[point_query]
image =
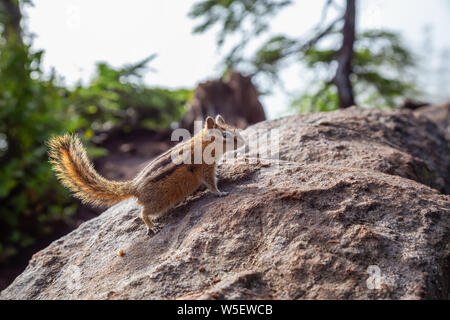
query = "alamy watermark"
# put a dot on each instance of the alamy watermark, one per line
(256, 145)
(73, 14)
(73, 279)
(373, 282)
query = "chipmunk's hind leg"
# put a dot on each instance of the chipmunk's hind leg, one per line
(210, 181)
(152, 228)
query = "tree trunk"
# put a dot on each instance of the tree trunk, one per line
(344, 70)
(13, 16)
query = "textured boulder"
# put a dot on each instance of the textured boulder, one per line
(393, 142)
(235, 98)
(439, 114)
(346, 213)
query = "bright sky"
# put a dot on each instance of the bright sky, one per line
(77, 34)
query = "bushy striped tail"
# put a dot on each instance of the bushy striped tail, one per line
(75, 171)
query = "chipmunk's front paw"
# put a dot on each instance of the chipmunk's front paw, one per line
(154, 230)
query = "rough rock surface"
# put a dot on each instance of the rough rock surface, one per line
(235, 98)
(355, 192)
(439, 114)
(392, 142)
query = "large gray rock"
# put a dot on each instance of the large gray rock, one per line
(353, 210)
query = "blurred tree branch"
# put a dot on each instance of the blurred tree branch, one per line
(359, 62)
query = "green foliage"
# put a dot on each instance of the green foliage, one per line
(382, 69)
(118, 99)
(246, 19)
(381, 77)
(314, 57)
(34, 108)
(381, 64)
(31, 109)
(234, 14)
(267, 59)
(323, 99)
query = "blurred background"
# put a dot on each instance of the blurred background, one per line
(123, 75)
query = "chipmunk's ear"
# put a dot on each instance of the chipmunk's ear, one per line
(219, 119)
(209, 123)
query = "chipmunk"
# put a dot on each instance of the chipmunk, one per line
(158, 187)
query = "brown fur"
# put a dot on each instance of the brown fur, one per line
(76, 172)
(158, 187)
